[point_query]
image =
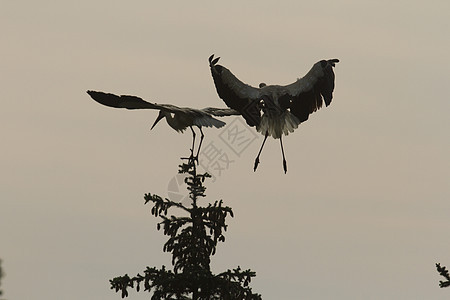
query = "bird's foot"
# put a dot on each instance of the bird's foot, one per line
(256, 164)
(284, 166)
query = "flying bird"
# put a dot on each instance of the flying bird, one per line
(276, 110)
(179, 118)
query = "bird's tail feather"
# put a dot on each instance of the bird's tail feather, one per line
(277, 126)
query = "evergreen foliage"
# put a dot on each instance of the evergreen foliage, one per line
(444, 273)
(192, 240)
(1, 275)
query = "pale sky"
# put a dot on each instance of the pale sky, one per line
(363, 212)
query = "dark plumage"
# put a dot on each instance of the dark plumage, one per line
(179, 118)
(276, 110)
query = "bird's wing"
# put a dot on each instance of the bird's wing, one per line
(236, 94)
(133, 102)
(207, 120)
(198, 117)
(175, 109)
(123, 101)
(221, 112)
(308, 93)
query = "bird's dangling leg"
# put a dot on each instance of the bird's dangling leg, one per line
(193, 143)
(200, 144)
(282, 152)
(259, 153)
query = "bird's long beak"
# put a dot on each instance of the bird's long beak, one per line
(160, 116)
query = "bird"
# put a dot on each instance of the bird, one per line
(178, 118)
(276, 110)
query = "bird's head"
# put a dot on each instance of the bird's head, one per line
(160, 116)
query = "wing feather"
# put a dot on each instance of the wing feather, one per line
(132, 102)
(124, 101)
(221, 112)
(236, 94)
(208, 121)
(308, 93)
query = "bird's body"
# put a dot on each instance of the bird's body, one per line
(178, 118)
(276, 110)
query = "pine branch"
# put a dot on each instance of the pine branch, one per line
(444, 273)
(161, 206)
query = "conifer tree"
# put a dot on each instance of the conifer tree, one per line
(192, 241)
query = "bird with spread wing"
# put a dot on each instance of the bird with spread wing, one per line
(179, 118)
(276, 110)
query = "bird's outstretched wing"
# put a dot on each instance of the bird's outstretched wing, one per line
(123, 101)
(199, 117)
(221, 112)
(236, 94)
(133, 102)
(307, 94)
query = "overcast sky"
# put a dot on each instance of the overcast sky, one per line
(363, 212)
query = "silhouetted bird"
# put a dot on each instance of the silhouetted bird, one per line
(283, 108)
(179, 118)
